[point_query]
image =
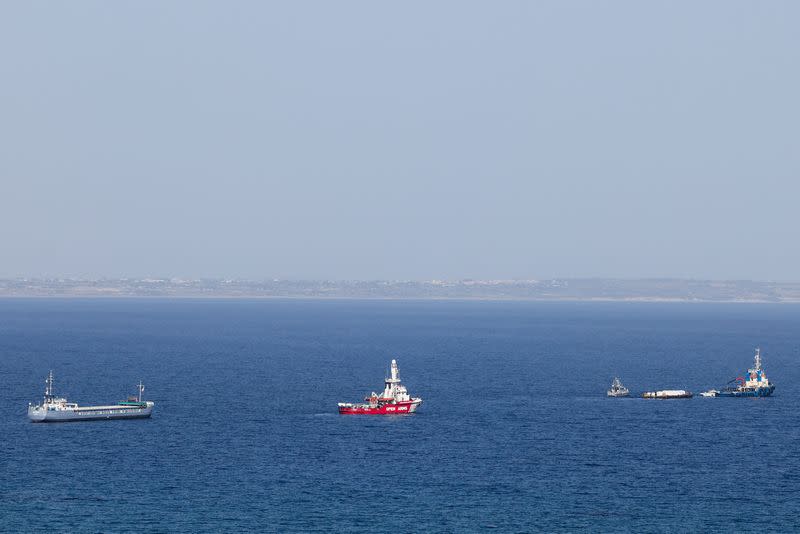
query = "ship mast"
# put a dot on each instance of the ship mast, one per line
(394, 374)
(48, 389)
(141, 389)
(758, 359)
(392, 381)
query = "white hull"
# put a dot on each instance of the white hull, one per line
(41, 415)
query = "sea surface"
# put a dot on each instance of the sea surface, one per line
(515, 433)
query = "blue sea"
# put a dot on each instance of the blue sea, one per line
(515, 433)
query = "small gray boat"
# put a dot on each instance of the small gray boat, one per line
(617, 389)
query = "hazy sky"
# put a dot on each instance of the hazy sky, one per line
(402, 140)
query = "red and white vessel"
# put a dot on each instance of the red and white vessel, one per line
(394, 399)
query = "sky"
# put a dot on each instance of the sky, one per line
(400, 140)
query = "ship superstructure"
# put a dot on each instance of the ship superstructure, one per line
(54, 409)
(617, 389)
(394, 399)
(756, 384)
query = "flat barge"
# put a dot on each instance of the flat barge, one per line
(667, 394)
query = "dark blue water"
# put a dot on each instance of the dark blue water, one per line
(515, 434)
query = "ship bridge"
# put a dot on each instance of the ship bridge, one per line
(394, 390)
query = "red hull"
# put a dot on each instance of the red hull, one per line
(402, 407)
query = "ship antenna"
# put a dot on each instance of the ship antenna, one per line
(48, 390)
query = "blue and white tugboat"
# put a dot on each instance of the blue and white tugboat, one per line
(55, 409)
(755, 385)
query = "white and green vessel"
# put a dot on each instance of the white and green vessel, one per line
(55, 409)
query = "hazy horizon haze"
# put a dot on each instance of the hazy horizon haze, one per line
(356, 140)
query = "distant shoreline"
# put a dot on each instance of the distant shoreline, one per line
(550, 290)
(78, 296)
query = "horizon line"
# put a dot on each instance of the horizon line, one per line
(151, 278)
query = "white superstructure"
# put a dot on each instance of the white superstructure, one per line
(393, 389)
(756, 377)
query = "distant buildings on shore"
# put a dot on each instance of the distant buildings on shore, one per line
(550, 289)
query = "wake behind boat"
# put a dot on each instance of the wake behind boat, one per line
(394, 399)
(55, 409)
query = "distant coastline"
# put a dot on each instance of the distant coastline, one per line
(586, 289)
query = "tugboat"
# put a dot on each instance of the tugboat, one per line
(57, 410)
(617, 389)
(756, 384)
(394, 399)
